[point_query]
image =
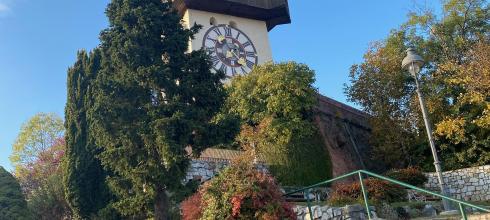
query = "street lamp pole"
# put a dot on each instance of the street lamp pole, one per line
(413, 62)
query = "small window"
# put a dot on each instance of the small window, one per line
(232, 24)
(212, 21)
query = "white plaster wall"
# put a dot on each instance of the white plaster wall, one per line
(256, 30)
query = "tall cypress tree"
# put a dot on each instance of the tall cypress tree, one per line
(153, 100)
(84, 178)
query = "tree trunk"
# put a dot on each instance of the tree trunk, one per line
(161, 205)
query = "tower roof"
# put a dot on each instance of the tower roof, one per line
(273, 12)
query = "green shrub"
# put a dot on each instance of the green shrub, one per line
(48, 201)
(276, 104)
(411, 175)
(378, 191)
(12, 202)
(238, 192)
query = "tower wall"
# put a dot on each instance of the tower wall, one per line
(345, 132)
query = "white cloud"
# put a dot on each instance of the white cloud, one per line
(4, 7)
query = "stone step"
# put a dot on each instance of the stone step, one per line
(457, 217)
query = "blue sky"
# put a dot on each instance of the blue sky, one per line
(39, 41)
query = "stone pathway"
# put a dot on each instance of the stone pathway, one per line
(458, 217)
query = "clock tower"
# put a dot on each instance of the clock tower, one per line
(234, 32)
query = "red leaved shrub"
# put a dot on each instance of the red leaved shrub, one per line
(377, 190)
(191, 207)
(411, 175)
(239, 192)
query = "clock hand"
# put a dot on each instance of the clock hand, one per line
(242, 61)
(234, 54)
(221, 38)
(229, 54)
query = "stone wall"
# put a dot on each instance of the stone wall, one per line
(335, 213)
(205, 169)
(470, 184)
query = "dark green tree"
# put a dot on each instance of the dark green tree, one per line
(12, 202)
(153, 101)
(84, 177)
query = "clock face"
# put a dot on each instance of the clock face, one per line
(230, 50)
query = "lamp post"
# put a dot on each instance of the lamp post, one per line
(413, 63)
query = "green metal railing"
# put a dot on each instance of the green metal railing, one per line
(306, 190)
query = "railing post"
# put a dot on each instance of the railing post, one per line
(463, 212)
(364, 194)
(462, 204)
(308, 203)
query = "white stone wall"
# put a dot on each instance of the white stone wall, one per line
(334, 213)
(471, 184)
(207, 169)
(204, 169)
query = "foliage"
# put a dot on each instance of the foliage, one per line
(41, 148)
(180, 196)
(84, 178)
(378, 191)
(239, 192)
(46, 164)
(386, 91)
(466, 129)
(38, 138)
(152, 100)
(48, 201)
(191, 207)
(411, 175)
(12, 202)
(275, 104)
(386, 211)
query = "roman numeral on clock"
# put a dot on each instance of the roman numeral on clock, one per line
(217, 31)
(227, 31)
(210, 50)
(223, 68)
(250, 54)
(250, 64)
(214, 59)
(246, 44)
(211, 39)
